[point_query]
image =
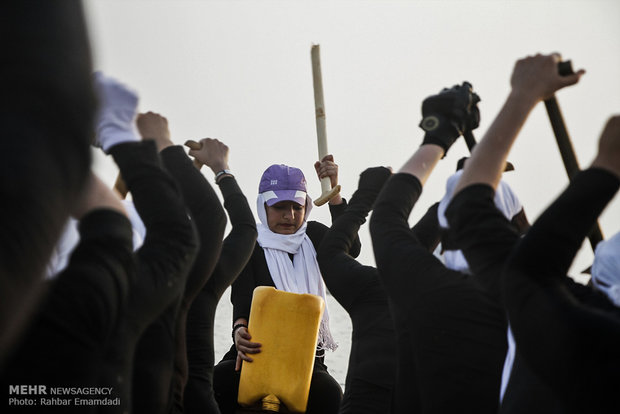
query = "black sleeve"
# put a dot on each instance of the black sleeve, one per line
(170, 243)
(239, 244)
(397, 250)
(90, 293)
(482, 232)
(568, 345)
(80, 314)
(251, 276)
(389, 227)
(207, 212)
(427, 229)
(336, 211)
(256, 272)
(46, 111)
(236, 251)
(343, 275)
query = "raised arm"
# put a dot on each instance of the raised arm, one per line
(445, 116)
(98, 268)
(236, 251)
(533, 80)
(84, 302)
(239, 243)
(164, 260)
(328, 168)
(200, 198)
(341, 272)
(337, 204)
(569, 345)
(210, 221)
(567, 221)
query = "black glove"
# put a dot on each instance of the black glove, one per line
(448, 114)
(370, 184)
(374, 178)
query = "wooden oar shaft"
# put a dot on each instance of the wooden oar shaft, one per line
(568, 155)
(319, 107)
(327, 192)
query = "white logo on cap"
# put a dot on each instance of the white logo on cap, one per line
(274, 182)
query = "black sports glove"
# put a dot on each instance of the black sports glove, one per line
(448, 114)
(370, 184)
(373, 178)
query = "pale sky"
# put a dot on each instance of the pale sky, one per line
(240, 71)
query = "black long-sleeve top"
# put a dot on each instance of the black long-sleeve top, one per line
(207, 213)
(571, 345)
(256, 272)
(162, 263)
(455, 329)
(239, 243)
(160, 368)
(65, 344)
(487, 239)
(236, 251)
(357, 288)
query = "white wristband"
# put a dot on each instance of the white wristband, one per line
(220, 173)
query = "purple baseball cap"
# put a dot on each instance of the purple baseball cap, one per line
(283, 183)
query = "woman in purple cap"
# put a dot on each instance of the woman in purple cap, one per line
(284, 257)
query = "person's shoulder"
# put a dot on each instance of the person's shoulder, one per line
(315, 224)
(315, 231)
(316, 228)
(257, 253)
(587, 295)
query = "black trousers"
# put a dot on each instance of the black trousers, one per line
(324, 398)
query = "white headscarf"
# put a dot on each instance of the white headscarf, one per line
(505, 200)
(302, 274)
(606, 268)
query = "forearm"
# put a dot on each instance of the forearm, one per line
(427, 229)
(481, 232)
(345, 277)
(242, 289)
(344, 230)
(561, 229)
(199, 196)
(389, 225)
(422, 162)
(206, 210)
(155, 193)
(171, 242)
(239, 243)
(98, 270)
(336, 211)
(236, 204)
(342, 274)
(538, 303)
(488, 158)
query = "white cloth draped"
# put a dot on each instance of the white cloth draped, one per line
(302, 274)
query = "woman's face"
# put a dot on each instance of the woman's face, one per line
(285, 217)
